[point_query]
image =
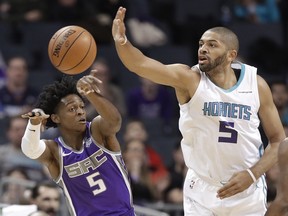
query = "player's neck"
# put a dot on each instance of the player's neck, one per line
(75, 141)
(225, 78)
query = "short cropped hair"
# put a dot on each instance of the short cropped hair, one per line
(52, 94)
(230, 38)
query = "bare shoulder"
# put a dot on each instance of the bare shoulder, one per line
(262, 84)
(51, 143)
(185, 72)
(190, 77)
(264, 91)
(183, 68)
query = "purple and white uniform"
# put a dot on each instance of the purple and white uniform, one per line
(94, 180)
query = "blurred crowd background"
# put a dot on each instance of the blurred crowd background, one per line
(167, 30)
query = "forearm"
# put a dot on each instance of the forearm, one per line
(130, 56)
(31, 144)
(105, 109)
(268, 160)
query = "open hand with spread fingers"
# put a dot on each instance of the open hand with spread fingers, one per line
(89, 84)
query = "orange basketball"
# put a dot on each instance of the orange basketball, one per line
(72, 50)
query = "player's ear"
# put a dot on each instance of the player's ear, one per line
(55, 118)
(232, 55)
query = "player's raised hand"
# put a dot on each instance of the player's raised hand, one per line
(36, 114)
(118, 27)
(89, 84)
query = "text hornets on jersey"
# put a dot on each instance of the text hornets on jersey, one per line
(226, 109)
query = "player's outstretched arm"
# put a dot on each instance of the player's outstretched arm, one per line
(279, 207)
(135, 61)
(109, 117)
(31, 144)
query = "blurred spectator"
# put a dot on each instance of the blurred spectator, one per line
(279, 91)
(14, 184)
(177, 170)
(145, 29)
(82, 13)
(135, 130)
(108, 89)
(192, 18)
(106, 10)
(136, 160)
(17, 96)
(150, 102)
(257, 11)
(11, 154)
(23, 11)
(2, 70)
(47, 197)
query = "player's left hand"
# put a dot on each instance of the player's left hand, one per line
(238, 182)
(88, 84)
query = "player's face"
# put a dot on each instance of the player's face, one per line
(212, 52)
(48, 200)
(71, 113)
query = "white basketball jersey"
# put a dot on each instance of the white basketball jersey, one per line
(220, 127)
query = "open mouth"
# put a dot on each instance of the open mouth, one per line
(202, 59)
(82, 120)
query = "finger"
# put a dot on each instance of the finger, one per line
(85, 90)
(119, 13)
(228, 193)
(39, 113)
(96, 89)
(93, 72)
(122, 11)
(26, 115)
(35, 115)
(93, 78)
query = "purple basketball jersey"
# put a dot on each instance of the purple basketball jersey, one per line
(94, 180)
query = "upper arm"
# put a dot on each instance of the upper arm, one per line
(105, 133)
(50, 158)
(173, 75)
(269, 114)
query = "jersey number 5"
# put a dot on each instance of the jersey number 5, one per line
(227, 128)
(96, 182)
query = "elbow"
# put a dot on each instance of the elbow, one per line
(117, 122)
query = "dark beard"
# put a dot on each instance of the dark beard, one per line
(208, 67)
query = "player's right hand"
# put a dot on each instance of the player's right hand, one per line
(118, 27)
(89, 84)
(36, 114)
